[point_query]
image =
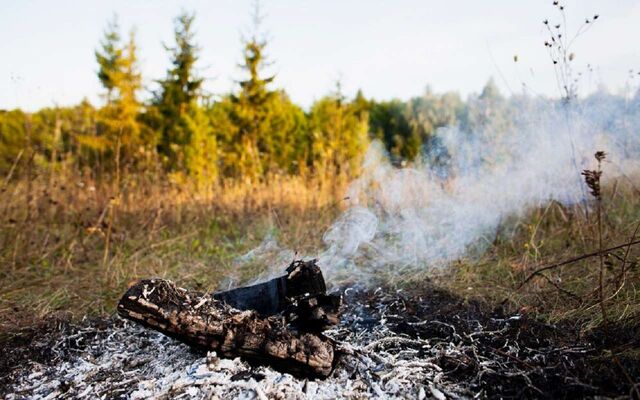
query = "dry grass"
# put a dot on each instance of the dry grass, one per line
(73, 245)
(570, 292)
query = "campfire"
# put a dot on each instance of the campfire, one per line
(288, 338)
(278, 322)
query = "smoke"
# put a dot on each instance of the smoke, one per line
(505, 158)
(451, 202)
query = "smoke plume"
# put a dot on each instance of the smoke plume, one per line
(451, 202)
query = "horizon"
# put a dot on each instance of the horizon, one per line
(406, 49)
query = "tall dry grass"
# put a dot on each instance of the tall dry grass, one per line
(577, 291)
(73, 244)
(69, 243)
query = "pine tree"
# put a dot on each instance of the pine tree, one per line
(118, 127)
(251, 112)
(109, 57)
(178, 95)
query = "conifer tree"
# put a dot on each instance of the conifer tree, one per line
(201, 153)
(251, 110)
(109, 57)
(187, 139)
(389, 124)
(13, 137)
(269, 134)
(179, 93)
(118, 127)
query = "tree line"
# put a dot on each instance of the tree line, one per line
(252, 133)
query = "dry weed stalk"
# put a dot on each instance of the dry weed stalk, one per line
(559, 46)
(592, 179)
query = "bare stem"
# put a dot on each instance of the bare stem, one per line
(601, 254)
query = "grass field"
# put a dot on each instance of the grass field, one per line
(75, 246)
(72, 246)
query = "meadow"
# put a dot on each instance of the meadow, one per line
(72, 246)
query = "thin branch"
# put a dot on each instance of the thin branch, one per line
(626, 253)
(561, 289)
(571, 261)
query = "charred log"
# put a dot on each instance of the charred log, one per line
(202, 320)
(300, 296)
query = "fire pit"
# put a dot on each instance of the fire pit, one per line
(418, 343)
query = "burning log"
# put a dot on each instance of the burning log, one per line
(277, 322)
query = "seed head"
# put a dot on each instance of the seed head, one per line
(600, 155)
(592, 179)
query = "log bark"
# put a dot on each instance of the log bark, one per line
(202, 320)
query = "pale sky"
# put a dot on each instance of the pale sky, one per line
(389, 49)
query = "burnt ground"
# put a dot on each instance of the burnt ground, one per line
(509, 356)
(417, 344)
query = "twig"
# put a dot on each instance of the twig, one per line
(511, 356)
(600, 156)
(12, 170)
(571, 261)
(561, 289)
(626, 256)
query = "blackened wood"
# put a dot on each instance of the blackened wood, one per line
(267, 298)
(303, 279)
(201, 320)
(316, 313)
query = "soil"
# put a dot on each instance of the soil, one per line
(417, 343)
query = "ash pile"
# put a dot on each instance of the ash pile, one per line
(287, 340)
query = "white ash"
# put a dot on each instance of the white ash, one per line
(127, 361)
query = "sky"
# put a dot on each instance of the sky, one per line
(389, 49)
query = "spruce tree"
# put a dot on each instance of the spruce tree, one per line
(187, 139)
(389, 124)
(109, 56)
(270, 134)
(251, 111)
(339, 135)
(118, 128)
(178, 94)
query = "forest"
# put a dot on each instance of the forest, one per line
(251, 134)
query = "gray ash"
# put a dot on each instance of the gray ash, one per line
(394, 344)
